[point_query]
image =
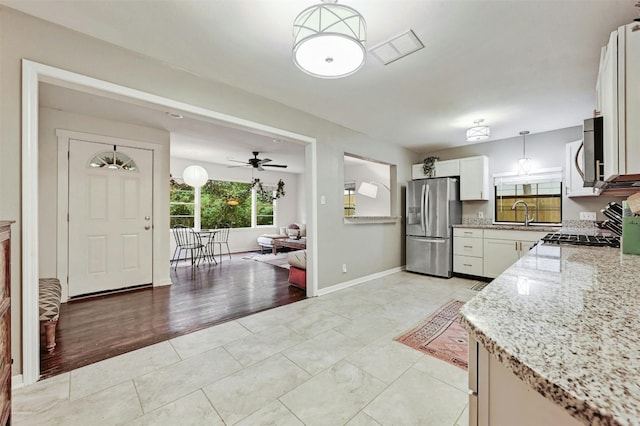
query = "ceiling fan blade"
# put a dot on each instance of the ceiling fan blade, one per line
(237, 161)
(266, 160)
(259, 167)
(283, 166)
(233, 167)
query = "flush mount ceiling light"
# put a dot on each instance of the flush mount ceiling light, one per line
(329, 40)
(524, 164)
(478, 132)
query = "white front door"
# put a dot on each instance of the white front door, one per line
(110, 217)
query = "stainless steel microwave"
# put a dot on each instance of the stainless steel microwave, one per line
(593, 154)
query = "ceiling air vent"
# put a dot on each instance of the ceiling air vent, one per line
(396, 48)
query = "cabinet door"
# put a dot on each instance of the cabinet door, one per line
(474, 178)
(417, 171)
(573, 180)
(608, 95)
(525, 246)
(631, 105)
(448, 168)
(498, 256)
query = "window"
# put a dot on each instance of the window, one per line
(181, 204)
(237, 204)
(350, 198)
(113, 160)
(544, 201)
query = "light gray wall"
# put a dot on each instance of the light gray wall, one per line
(546, 149)
(367, 249)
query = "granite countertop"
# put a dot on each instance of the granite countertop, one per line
(564, 319)
(512, 227)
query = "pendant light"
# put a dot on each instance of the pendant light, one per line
(195, 176)
(478, 133)
(329, 40)
(524, 164)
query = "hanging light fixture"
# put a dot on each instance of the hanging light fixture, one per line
(478, 132)
(195, 176)
(524, 164)
(329, 40)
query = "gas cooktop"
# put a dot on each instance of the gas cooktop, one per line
(583, 240)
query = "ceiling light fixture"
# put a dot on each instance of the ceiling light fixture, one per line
(524, 164)
(195, 176)
(329, 40)
(478, 132)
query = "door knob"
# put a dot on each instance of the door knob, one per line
(147, 227)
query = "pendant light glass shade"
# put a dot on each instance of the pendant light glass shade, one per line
(329, 40)
(478, 132)
(524, 164)
(195, 176)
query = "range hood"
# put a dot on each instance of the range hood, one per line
(622, 186)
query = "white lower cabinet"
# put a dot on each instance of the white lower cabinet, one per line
(489, 252)
(503, 248)
(500, 398)
(467, 251)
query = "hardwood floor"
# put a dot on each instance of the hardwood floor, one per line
(98, 328)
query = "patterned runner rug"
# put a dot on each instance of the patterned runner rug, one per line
(441, 335)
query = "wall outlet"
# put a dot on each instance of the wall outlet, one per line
(480, 215)
(587, 215)
(344, 268)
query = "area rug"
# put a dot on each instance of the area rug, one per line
(441, 335)
(479, 285)
(279, 260)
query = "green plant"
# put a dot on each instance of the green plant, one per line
(429, 165)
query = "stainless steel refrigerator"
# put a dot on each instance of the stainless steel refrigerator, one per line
(433, 206)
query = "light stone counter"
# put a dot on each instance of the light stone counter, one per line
(566, 320)
(511, 227)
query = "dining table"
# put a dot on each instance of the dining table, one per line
(206, 236)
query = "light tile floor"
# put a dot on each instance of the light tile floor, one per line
(323, 361)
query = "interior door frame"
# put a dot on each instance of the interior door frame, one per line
(64, 137)
(32, 74)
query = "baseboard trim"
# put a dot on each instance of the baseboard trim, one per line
(351, 283)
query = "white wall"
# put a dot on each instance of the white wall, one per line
(546, 149)
(366, 249)
(50, 120)
(287, 207)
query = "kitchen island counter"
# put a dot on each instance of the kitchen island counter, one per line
(564, 319)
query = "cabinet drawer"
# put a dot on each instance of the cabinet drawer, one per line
(467, 265)
(502, 234)
(467, 246)
(467, 232)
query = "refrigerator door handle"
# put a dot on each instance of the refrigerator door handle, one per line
(425, 209)
(431, 240)
(422, 213)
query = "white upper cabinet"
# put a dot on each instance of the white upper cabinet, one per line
(618, 100)
(573, 182)
(474, 178)
(448, 168)
(417, 172)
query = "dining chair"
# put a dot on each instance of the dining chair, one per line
(221, 237)
(187, 240)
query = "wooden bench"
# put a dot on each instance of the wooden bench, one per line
(49, 296)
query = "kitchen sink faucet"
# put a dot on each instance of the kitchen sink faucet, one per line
(527, 219)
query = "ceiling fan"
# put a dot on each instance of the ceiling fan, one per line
(258, 163)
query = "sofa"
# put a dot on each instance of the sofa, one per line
(265, 241)
(298, 269)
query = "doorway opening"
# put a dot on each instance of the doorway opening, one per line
(33, 74)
